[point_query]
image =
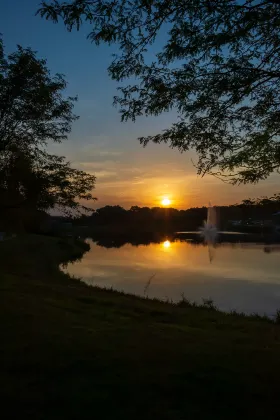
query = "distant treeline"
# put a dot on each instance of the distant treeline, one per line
(143, 219)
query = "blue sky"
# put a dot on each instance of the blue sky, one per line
(99, 143)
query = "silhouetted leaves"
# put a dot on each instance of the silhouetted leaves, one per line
(113, 222)
(33, 112)
(217, 65)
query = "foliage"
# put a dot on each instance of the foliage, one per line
(209, 304)
(273, 202)
(43, 181)
(33, 109)
(152, 223)
(145, 218)
(185, 303)
(33, 112)
(277, 317)
(215, 61)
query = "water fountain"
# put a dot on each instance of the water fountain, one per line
(209, 230)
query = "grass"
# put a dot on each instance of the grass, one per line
(73, 352)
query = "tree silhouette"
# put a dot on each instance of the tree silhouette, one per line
(218, 65)
(33, 112)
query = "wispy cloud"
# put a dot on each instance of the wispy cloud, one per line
(127, 177)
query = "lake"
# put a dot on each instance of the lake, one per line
(243, 277)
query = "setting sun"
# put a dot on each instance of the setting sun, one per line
(166, 201)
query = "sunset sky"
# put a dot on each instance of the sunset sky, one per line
(99, 143)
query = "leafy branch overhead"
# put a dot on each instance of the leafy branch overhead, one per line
(217, 62)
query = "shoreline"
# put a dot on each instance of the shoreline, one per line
(71, 351)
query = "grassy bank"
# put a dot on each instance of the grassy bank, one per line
(73, 352)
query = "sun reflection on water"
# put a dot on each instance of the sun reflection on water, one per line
(166, 244)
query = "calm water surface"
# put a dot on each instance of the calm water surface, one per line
(244, 277)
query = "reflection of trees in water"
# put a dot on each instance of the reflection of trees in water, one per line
(75, 251)
(120, 241)
(269, 249)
